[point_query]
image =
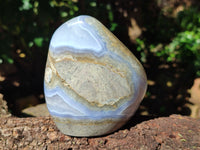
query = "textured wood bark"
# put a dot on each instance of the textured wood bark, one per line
(174, 132)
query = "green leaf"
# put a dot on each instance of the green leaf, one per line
(63, 14)
(38, 41)
(7, 59)
(76, 8)
(110, 16)
(71, 12)
(113, 26)
(93, 4)
(10, 60)
(26, 5)
(30, 44)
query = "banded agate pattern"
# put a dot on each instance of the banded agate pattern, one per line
(93, 84)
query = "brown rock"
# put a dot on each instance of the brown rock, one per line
(195, 99)
(37, 111)
(195, 92)
(174, 132)
(3, 107)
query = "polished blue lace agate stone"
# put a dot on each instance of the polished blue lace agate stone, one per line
(93, 84)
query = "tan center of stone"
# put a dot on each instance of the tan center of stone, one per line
(94, 82)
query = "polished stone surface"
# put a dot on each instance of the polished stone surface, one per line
(93, 83)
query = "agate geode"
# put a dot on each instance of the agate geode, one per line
(93, 83)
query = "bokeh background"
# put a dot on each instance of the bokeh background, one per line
(163, 34)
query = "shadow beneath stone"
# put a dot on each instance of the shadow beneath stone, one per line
(136, 119)
(24, 115)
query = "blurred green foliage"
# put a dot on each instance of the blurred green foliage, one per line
(29, 24)
(183, 45)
